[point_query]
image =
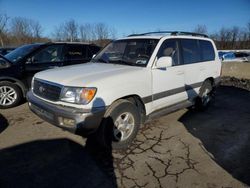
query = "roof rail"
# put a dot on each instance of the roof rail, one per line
(173, 33)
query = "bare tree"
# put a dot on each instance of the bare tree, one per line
(36, 29)
(102, 31)
(200, 29)
(3, 27)
(112, 33)
(99, 33)
(86, 32)
(25, 30)
(20, 27)
(67, 31)
(58, 34)
(71, 30)
(235, 36)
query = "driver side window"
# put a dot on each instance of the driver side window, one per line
(51, 53)
(169, 48)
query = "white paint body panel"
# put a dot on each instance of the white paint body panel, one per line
(117, 81)
(112, 81)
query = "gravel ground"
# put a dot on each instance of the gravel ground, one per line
(183, 149)
(235, 82)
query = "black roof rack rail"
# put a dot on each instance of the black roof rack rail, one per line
(173, 33)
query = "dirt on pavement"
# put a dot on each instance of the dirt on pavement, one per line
(183, 149)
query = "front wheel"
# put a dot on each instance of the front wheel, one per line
(10, 95)
(120, 125)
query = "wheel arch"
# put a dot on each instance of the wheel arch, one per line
(19, 83)
(137, 100)
(211, 79)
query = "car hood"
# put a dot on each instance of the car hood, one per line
(84, 74)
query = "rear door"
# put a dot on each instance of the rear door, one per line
(198, 56)
(168, 84)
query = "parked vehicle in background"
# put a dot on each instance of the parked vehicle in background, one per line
(245, 57)
(4, 51)
(18, 67)
(234, 56)
(131, 79)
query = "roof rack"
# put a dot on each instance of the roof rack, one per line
(173, 33)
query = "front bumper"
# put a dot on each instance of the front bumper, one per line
(82, 121)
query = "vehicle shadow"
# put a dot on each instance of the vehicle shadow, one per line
(57, 163)
(54, 163)
(3, 123)
(224, 130)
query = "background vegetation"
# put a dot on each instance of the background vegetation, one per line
(18, 30)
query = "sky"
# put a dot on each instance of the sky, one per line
(130, 16)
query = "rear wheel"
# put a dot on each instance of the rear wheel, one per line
(119, 126)
(10, 95)
(205, 95)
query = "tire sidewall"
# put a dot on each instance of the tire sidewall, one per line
(18, 93)
(108, 123)
(199, 103)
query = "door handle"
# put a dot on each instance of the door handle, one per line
(180, 72)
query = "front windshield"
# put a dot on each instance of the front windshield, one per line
(135, 52)
(20, 52)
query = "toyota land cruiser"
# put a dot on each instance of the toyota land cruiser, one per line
(130, 80)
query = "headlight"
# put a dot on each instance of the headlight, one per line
(78, 95)
(32, 83)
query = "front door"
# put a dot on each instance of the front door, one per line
(168, 84)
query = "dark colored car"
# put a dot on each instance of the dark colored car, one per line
(4, 51)
(243, 55)
(18, 67)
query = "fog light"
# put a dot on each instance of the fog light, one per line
(66, 121)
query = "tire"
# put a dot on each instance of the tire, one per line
(120, 125)
(205, 96)
(10, 95)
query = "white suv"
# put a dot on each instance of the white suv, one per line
(130, 80)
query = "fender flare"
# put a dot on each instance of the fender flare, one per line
(19, 83)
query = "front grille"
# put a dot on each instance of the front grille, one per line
(47, 90)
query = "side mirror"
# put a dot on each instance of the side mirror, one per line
(164, 62)
(4, 63)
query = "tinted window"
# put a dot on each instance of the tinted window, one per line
(241, 55)
(20, 52)
(170, 48)
(207, 50)
(94, 50)
(190, 50)
(51, 53)
(76, 52)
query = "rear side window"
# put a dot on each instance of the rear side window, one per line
(190, 51)
(207, 50)
(76, 52)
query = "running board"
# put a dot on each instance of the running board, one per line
(169, 109)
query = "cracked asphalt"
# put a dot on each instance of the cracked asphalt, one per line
(183, 149)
